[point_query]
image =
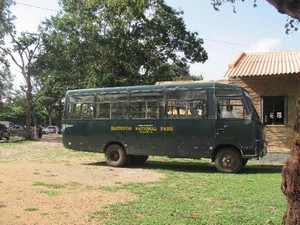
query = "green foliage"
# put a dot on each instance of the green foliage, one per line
(5, 27)
(217, 3)
(6, 18)
(5, 79)
(116, 43)
(14, 109)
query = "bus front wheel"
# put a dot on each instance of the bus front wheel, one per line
(115, 155)
(229, 160)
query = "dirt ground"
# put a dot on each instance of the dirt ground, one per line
(38, 185)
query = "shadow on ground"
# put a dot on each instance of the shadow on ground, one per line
(198, 167)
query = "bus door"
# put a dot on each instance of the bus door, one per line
(234, 125)
(145, 136)
(79, 125)
(189, 132)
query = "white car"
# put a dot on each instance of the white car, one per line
(52, 129)
(45, 130)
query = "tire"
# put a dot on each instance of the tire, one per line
(115, 155)
(137, 159)
(229, 160)
(245, 162)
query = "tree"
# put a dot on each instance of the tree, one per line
(5, 79)
(6, 18)
(22, 51)
(5, 27)
(119, 43)
(14, 108)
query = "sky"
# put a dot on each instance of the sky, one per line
(225, 33)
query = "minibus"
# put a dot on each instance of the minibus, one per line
(196, 120)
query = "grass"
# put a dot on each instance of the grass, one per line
(15, 143)
(54, 189)
(31, 209)
(48, 185)
(57, 155)
(194, 193)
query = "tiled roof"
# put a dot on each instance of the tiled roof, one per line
(266, 63)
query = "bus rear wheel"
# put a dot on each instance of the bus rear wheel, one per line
(229, 160)
(115, 155)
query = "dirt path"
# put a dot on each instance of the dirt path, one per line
(43, 183)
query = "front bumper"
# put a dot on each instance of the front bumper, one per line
(261, 147)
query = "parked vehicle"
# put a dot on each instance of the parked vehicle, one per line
(4, 133)
(17, 129)
(52, 129)
(128, 124)
(45, 130)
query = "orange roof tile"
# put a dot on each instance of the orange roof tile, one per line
(264, 63)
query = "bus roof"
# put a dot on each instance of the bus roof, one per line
(160, 87)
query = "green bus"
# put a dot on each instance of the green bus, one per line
(128, 124)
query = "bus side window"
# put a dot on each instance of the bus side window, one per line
(103, 110)
(232, 109)
(137, 110)
(197, 109)
(81, 107)
(74, 111)
(118, 110)
(177, 109)
(87, 111)
(111, 106)
(146, 105)
(187, 104)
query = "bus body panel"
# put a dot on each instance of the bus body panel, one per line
(109, 131)
(238, 133)
(146, 137)
(79, 135)
(189, 138)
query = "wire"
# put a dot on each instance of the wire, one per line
(35, 6)
(237, 44)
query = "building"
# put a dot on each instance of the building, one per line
(273, 81)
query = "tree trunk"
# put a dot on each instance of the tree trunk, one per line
(29, 104)
(290, 185)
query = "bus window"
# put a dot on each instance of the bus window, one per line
(146, 105)
(103, 110)
(111, 106)
(232, 108)
(187, 104)
(81, 107)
